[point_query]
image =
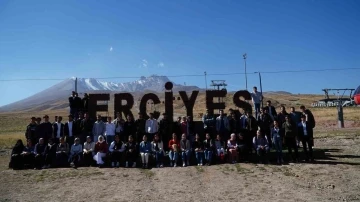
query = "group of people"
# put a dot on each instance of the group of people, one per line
(232, 138)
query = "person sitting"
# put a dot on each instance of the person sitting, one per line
(158, 150)
(174, 150)
(276, 136)
(62, 153)
(220, 148)
(75, 153)
(131, 153)
(199, 150)
(101, 149)
(116, 149)
(88, 151)
(50, 154)
(208, 149)
(232, 147)
(185, 148)
(241, 146)
(28, 155)
(39, 153)
(261, 145)
(16, 161)
(145, 149)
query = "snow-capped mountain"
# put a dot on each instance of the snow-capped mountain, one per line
(62, 90)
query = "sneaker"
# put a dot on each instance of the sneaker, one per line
(127, 164)
(72, 165)
(161, 165)
(201, 164)
(175, 165)
(157, 165)
(184, 165)
(198, 164)
(134, 165)
(44, 167)
(117, 164)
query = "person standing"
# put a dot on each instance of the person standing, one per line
(140, 128)
(70, 130)
(72, 104)
(209, 122)
(233, 124)
(310, 119)
(98, 128)
(290, 131)
(222, 125)
(271, 110)
(251, 127)
(281, 115)
(256, 97)
(306, 135)
(276, 136)
(77, 104)
(86, 127)
(85, 103)
(165, 128)
(265, 122)
(58, 130)
(151, 127)
(119, 126)
(296, 119)
(110, 131)
(30, 133)
(190, 128)
(129, 127)
(46, 130)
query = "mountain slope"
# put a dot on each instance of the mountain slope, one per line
(62, 90)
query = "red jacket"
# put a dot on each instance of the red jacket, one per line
(172, 142)
(101, 147)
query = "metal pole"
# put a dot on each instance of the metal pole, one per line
(76, 85)
(245, 71)
(262, 97)
(205, 81)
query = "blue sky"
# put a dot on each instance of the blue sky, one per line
(60, 39)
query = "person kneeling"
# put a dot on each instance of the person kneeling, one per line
(131, 153)
(116, 149)
(88, 151)
(75, 153)
(101, 148)
(158, 150)
(145, 149)
(261, 146)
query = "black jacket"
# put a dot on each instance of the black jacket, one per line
(309, 130)
(44, 130)
(31, 132)
(55, 129)
(130, 128)
(66, 129)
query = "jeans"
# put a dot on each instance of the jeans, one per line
(278, 147)
(208, 155)
(199, 157)
(257, 109)
(158, 157)
(173, 156)
(109, 139)
(185, 156)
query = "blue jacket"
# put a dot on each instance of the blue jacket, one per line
(145, 147)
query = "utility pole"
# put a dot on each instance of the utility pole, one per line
(205, 81)
(245, 56)
(261, 91)
(76, 85)
(217, 84)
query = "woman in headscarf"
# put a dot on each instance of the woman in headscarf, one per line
(28, 154)
(50, 154)
(75, 153)
(88, 151)
(101, 149)
(158, 150)
(145, 149)
(39, 153)
(116, 149)
(62, 152)
(16, 161)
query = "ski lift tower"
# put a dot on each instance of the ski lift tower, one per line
(217, 84)
(339, 104)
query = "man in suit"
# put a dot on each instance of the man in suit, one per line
(70, 130)
(265, 123)
(271, 110)
(309, 118)
(305, 133)
(58, 130)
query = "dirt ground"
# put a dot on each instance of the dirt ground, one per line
(334, 177)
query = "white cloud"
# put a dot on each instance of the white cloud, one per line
(111, 49)
(161, 64)
(144, 63)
